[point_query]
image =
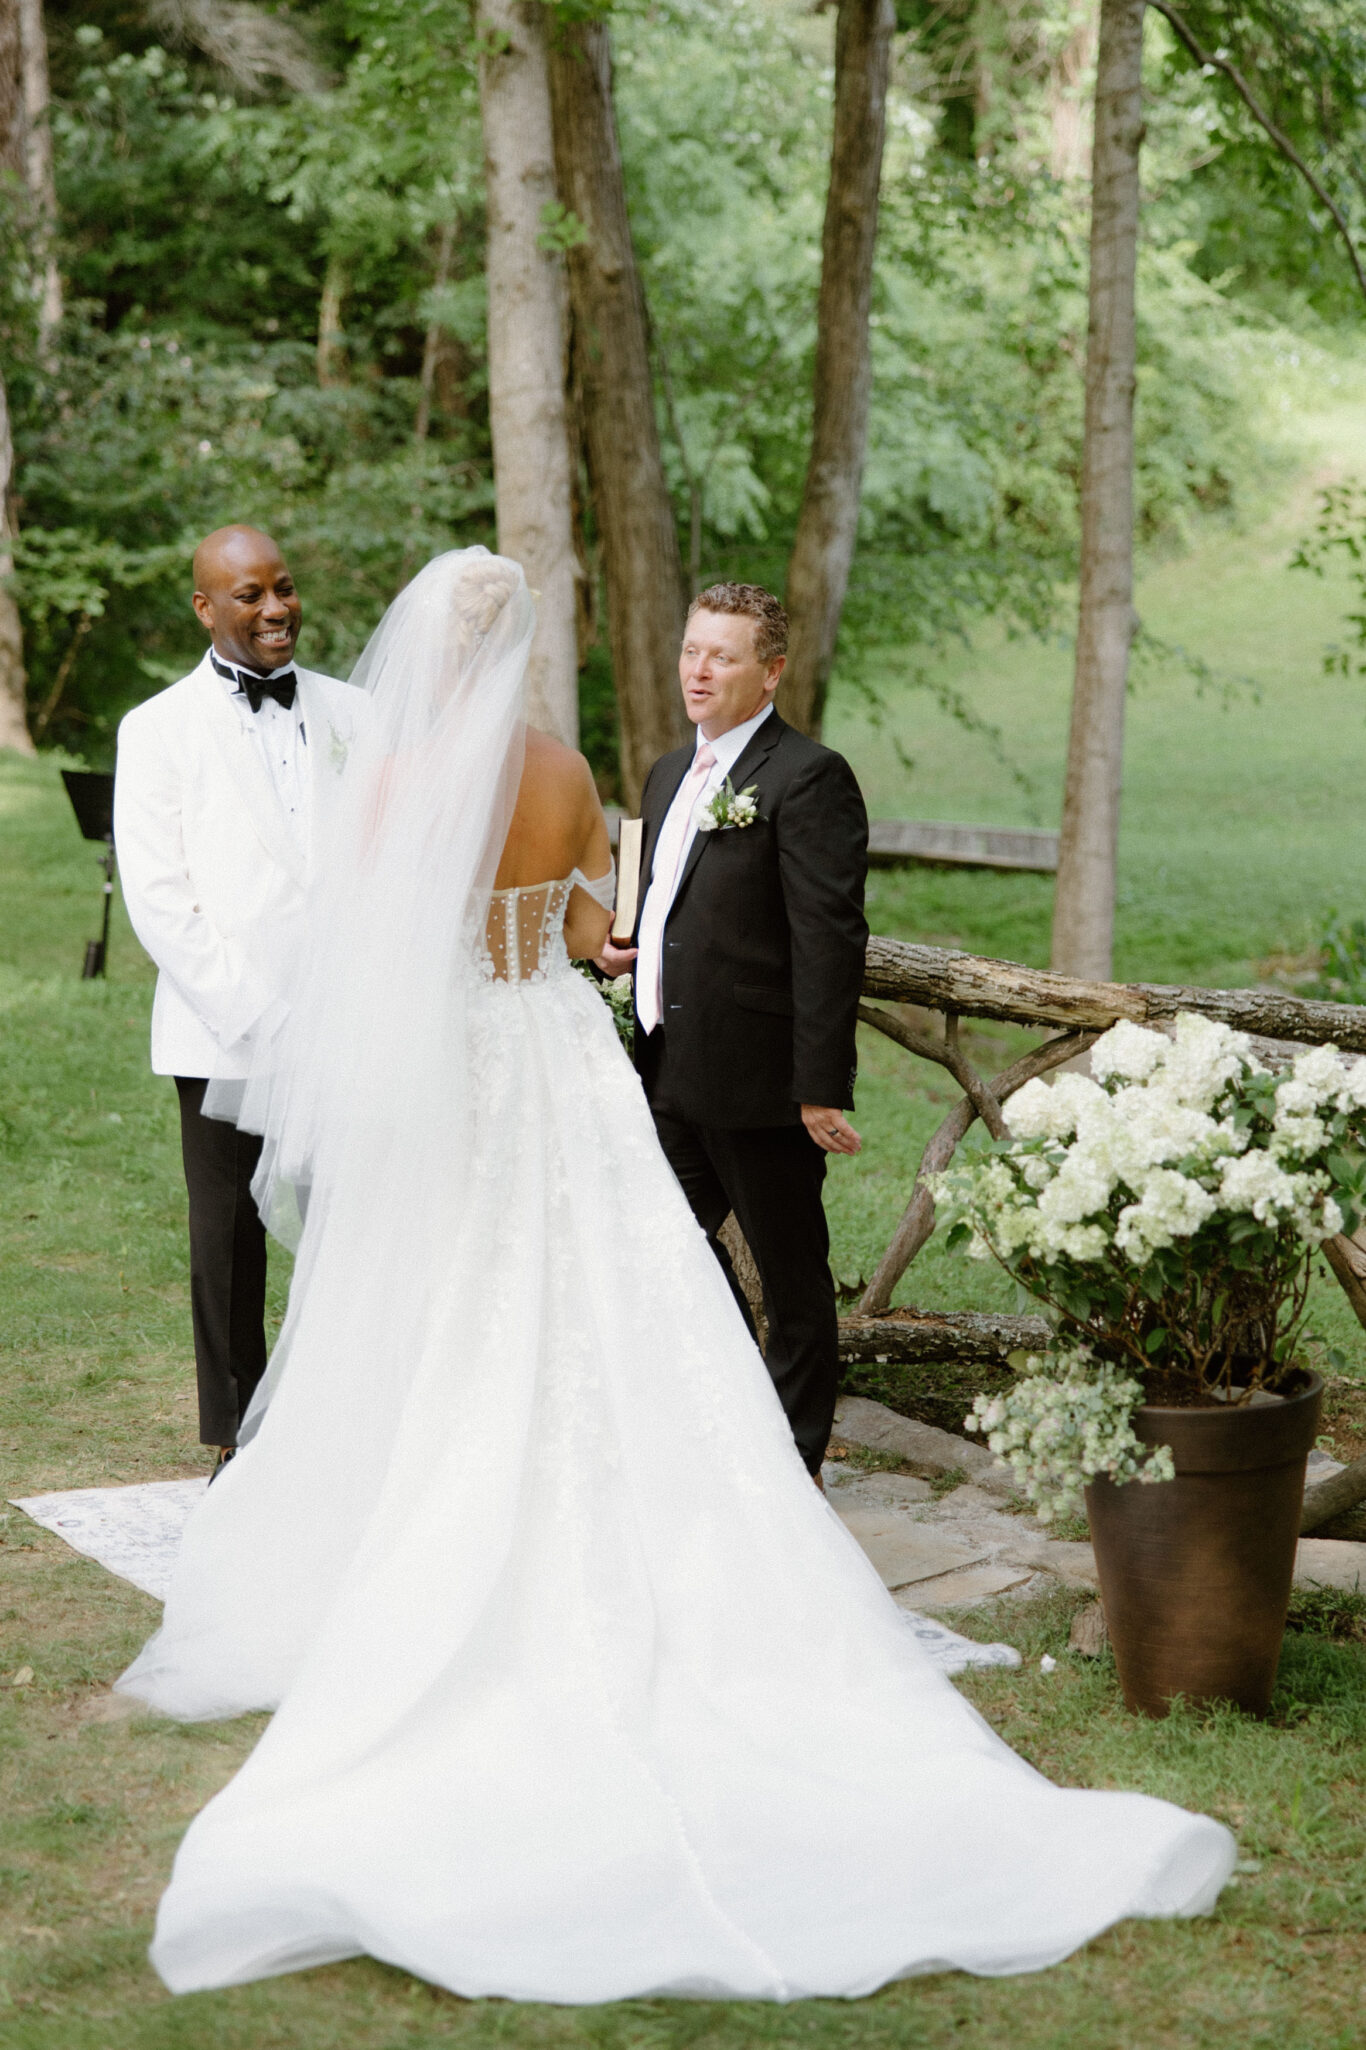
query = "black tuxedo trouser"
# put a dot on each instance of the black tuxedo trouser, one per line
(227, 1264)
(771, 1176)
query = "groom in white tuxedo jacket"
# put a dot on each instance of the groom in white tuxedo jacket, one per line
(220, 779)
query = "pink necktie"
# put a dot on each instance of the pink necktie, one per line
(668, 863)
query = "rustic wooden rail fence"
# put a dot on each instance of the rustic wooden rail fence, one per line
(973, 986)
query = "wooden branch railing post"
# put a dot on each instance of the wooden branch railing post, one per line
(917, 1222)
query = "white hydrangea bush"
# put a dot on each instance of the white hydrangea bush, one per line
(1164, 1209)
(1063, 1423)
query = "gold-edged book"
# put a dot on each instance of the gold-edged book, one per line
(630, 839)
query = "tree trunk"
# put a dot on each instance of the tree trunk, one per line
(827, 525)
(38, 171)
(528, 415)
(11, 93)
(1067, 107)
(332, 364)
(1084, 906)
(646, 603)
(14, 731)
(431, 347)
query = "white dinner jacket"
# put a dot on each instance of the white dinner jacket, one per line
(212, 875)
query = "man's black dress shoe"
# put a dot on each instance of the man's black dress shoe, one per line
(225, 1453)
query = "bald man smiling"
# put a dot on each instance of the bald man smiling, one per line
(218, 782)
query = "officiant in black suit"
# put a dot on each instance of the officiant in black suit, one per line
(748, 966)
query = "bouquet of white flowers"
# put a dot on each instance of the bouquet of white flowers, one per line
(1164, 1210)
(619, 996)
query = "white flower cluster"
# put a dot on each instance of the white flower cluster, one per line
(1057, 1431)
(1321, 1081)
(1155, 1142)
(727, 807)
(619, 997)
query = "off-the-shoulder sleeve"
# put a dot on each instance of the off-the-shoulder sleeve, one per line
(602, 889)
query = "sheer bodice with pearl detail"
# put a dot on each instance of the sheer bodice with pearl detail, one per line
(524, 931)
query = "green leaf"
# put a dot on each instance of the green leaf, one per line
(561, 230)
(1155, 1341)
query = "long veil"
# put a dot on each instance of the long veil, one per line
(359, 1080)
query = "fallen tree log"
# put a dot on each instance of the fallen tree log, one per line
(977, 987)
(929, 1338)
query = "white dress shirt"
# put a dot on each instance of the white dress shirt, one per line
(282, 740)
(654, 914)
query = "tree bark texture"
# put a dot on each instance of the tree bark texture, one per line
(431, 347)
(637, 532)
(11, 93)
(526, 328)
(978, 987)
(1346, 1255)
(38, 170)
(331, 357)
(14, 731)
(1084, 906)
(827, 524)
(1068, 72)
(912, 1338)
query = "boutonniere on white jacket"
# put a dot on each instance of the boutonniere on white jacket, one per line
(727, 807)
(338, 748)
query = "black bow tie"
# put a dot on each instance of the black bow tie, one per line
(257, 688)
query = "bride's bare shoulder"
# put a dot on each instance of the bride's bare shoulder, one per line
(557, 823)
(554, 771)
(549, 753)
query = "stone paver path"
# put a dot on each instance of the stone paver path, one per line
(965, 1548)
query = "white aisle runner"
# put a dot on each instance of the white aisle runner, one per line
(135, 1533)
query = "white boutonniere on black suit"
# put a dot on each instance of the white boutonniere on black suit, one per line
(728, 809)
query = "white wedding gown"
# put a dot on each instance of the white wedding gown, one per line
(582, 1690)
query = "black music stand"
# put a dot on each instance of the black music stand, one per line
(92, 799)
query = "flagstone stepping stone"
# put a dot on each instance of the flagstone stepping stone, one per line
(1071, 1561)
(1331, 1562)
(927, 1451)
(905, 1551)
(851, 1489)
(960, 1590)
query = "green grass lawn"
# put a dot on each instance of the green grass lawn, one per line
(1241, 828)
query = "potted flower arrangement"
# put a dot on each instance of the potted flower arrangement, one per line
(1164, 1210)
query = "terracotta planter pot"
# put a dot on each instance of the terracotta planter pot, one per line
(1195, 1573)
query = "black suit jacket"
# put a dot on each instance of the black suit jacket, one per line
(764, 944)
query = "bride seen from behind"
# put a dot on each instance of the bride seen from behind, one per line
(582, 1692)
